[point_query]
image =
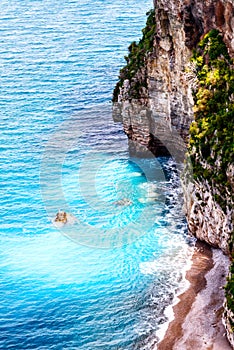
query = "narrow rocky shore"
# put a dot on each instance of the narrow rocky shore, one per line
(197, 322)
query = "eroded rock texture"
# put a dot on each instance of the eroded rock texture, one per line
(168, 72)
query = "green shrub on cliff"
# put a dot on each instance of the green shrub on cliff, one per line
(230, 289)
(211, 134)
(136, 58)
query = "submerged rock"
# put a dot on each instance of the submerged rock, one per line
(123, 202)
(63, 218)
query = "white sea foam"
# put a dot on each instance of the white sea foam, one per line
(183, 285)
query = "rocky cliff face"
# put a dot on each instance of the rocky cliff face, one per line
(156, 102)
(209, 197)
(165, 80)
(159, 98)
(206, 219)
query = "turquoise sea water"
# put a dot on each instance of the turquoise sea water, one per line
(103, 282)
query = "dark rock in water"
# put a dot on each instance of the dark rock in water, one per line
(61, 216)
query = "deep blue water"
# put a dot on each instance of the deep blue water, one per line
(104, 281)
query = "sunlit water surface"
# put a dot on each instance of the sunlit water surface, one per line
(101, 283)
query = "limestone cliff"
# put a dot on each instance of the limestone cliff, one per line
(155, 97)
(162, 79)
(209, 199)
(177, 91)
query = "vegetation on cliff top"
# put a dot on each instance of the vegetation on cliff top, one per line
(211, 145)
(136, 59)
